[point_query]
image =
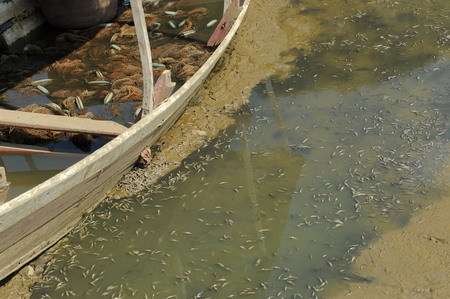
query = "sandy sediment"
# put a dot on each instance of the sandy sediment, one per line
(412, 262)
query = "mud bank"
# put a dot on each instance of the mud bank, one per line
(413, 262)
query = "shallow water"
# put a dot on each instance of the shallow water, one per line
(317, 165)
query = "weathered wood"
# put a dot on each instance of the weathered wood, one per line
(225, 24)
(60, 123)
(12, 148)
(21, 149)
(36, 219)
(145, 53)
(163, 88)
(11, 9)
(17, 19)
(22, 28)
(4, 185)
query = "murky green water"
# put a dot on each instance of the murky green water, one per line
(317, 165)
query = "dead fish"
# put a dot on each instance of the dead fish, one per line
(54, 107)
(182, 23)
(186, 33)
(155, 64)
(42, 82)
(172, 24)
(211, 23)
(99, 82)
(114, 46)
(43, 89)
(99, 75)
(137, 112)
(108, 98)
(79, 102)
(114, 37)
(170, 13)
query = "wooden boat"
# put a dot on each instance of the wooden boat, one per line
(36, 219)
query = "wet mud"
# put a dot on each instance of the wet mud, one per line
(412, 262)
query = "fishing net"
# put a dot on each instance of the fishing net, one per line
(134, 80)
(198, 13)
(128, 93)
(65, 67)
(187, 71)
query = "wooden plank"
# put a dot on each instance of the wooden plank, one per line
(22, 149)
(22, 28)
(12, 148)
(225, 24)
(145, 53)
(60, 123)
(163, 88)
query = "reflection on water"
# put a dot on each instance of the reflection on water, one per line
(279, 205)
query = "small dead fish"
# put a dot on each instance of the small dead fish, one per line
(172, 24)
(108, 98)
(170, 13)
(99, 75)
(42, 82)
(155, 64)
(79, 102)
(137, 112)
(55, 108)
(186, 33)
(116, 47)
(99, 82)
(114, 37)
(211, 23)
(43, 89)
(182, 23)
